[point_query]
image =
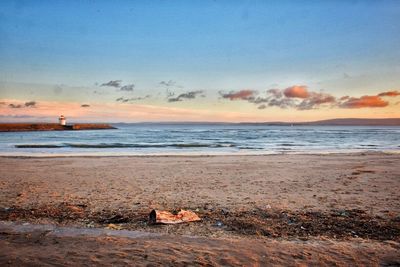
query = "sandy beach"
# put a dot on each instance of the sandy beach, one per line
(328, 209)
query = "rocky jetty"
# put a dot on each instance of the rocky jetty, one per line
(24, 127)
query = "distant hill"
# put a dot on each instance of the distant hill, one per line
(343, 122)
(357, 122)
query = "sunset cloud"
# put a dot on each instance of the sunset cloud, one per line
(367, 101)
(287, 98)
(296, 91)
(239, 95)
(390, 93)
(85, 106)
(299, 97)
(364, 102)
(291, 96)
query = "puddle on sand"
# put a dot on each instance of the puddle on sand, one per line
(70, 231)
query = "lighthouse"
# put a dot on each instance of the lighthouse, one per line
(62, 120)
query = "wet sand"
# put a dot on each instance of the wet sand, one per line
(53, 246)
(343, 207)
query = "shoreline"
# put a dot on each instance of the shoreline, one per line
(200, 154)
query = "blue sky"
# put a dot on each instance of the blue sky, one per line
(340, 47)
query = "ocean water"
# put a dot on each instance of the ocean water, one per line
(202, 139)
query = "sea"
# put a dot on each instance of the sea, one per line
(202, 139)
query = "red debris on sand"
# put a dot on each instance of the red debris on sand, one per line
(165, 217)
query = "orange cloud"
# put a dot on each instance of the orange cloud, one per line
(390, 93)
(239, 95)
(296, 91)
(365, 102)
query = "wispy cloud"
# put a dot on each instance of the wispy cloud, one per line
(258, 100)
(118, 85)
(113, 83)
(128, 87)
(282, 103)
(18, 117)
(263, 106)
(99, 92)
(57, 90)
(15, 105)
(29, 104)
(275, 92)
(85, 106)
(168, 83)
(132, 99)
(187, 95)
(314, 100)
(116, 112)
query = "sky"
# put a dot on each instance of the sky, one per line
(234, 61)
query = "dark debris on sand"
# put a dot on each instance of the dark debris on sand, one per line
(337, 224)
(334, 224)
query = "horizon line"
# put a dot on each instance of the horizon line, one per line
(241, 122)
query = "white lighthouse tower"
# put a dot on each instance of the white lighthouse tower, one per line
(62, 120)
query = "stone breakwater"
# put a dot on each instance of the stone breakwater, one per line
(23, 127)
